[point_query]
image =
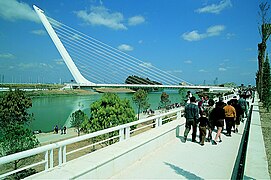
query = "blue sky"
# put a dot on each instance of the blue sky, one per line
(197, 40)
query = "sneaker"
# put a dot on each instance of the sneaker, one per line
(184, 139)
(220, 141)
(202, 144)
(214, 143)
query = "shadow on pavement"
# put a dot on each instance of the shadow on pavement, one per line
(182, 172)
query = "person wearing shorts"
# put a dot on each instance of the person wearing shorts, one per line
(219, 116)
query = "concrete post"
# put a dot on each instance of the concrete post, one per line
(64, 154)
(160, 121)
(46, 160)
(121, 134)
(127, 132)
(51, 158)
(59, 156)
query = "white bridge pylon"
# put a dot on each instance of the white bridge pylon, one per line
(63, 52)
(98, 62)
(112, 57)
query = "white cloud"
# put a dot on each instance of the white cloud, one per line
(7, 56)
(203, 70)
(39, 32)
(215, 30)
(59, 61)
(12, 10)
(211, 31)
(192, 36)
(101, 16)
(215, 8)
(125, 47)
(136, 20)
(222, 69)
(25, 66)
(230, 35)
(188, 61)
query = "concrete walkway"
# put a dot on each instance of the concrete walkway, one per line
(178, 160)
(48, 138)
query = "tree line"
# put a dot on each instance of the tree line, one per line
(16, 135)
(263, 77)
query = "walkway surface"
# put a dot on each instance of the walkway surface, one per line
(47, 138)
(178, 160)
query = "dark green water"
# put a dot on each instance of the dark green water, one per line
(51, 111)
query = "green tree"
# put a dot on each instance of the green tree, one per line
(16, 139)
(140, 98)
(15, 136)
(266, 83)
(110, 111)
(77, 119)
(164, 100)
(13, 108)
(265, 32)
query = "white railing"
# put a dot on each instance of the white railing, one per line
(124, 132)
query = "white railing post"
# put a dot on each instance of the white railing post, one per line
(156, 122)
(64, 154)
(127, 132)
(159, 121)
(59, 156)
(51, 158)
(121, 134)
(179, 115)
(46, 161)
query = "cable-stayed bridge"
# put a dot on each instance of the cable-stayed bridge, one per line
(95, 64)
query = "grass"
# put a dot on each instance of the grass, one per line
(266, 129)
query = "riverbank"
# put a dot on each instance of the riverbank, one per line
(60, 92)
(114, 90)
(51, 137)
(65, 92)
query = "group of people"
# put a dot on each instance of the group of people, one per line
(214, 115)
(63, 130)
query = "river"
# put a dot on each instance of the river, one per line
(56, 110)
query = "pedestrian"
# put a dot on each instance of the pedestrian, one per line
(64, 129)
(188, 96)
(56, 129)
(242, 102)
(208, 111)
(191, 113)
(230, 117)
(239, 111)
(219, 116)
(203, 124)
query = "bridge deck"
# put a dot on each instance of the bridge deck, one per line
(177, 160)
(189, 160)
